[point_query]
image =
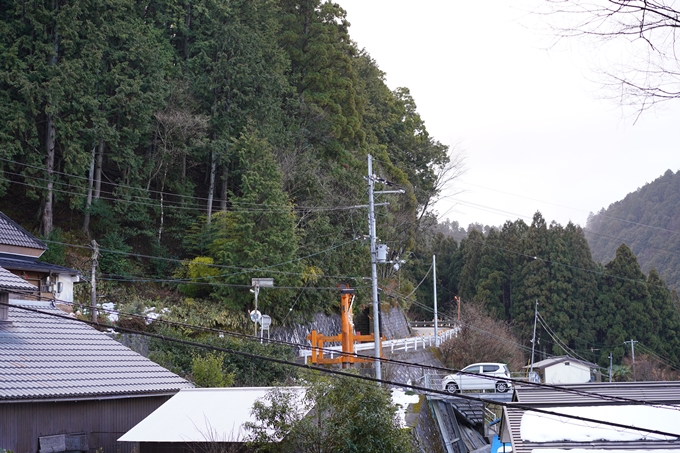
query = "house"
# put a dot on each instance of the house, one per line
(195, 418)
(65, 386)
(564, 370)
(619, 416)
(19, 253)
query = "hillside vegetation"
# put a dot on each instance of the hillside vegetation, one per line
(647, 221)
(586, 309)
(203, 143)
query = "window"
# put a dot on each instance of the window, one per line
(490, 368)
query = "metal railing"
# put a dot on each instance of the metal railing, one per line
(398, 345)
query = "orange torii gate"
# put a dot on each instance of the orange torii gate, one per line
(346, 337)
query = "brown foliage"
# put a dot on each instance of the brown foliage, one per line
(482, 339)
(648, 368)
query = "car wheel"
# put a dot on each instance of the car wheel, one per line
(451, 387)
(502, 387)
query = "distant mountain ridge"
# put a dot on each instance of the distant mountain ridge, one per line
(648, 221)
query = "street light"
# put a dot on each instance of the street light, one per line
(258, 283)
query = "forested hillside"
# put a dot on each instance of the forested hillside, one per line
(205, 142)
(585, 308)
(648, 221)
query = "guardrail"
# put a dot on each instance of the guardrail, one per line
(440, 323)
(391, 346)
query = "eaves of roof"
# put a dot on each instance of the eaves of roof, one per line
(27, 264)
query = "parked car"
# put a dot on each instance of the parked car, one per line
(479, 376)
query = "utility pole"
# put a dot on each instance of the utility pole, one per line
(374, 262)
(533, 340)
(632, 351)
(434, 284)
(93, 281)
(610, 367)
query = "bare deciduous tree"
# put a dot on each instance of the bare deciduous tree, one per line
(642, 35)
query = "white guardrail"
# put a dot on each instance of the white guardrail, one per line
(391, 346)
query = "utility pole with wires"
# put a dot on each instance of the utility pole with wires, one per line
(434, 284)
(632, 353)
(610, 367)
(93, 281)
(372, 179)
(533, 340)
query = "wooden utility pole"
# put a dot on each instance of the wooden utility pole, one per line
(632, 351)
(93, 281)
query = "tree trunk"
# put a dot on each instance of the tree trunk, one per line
(211, 190)
(98, 170)
(223, 194)
(162, 219)
(47, 214)
(90, 188)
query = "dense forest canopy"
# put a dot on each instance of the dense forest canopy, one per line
(208, 141)
(202, 143)
(648, 221)
(586, 309)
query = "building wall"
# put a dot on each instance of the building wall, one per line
(67, 281)
(104, 421)
(561, 373)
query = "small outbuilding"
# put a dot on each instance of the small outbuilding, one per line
(565, 370)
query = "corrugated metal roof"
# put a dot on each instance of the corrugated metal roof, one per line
(587, 396)
(203, 415)
(11, 282)
(46, 357)
(11, 233)
(667, 392)
(555, 360)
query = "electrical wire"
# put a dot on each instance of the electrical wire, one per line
(222, 266)
(364, 377)
(556, 339)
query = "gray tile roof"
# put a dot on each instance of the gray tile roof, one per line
(11, 233)
(11, 282)
(47, 357)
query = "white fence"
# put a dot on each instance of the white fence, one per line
(391, 346)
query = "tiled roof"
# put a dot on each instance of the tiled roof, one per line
(48, 357)
(11, 233)
(11, 282)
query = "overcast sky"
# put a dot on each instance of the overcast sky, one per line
(535, 134)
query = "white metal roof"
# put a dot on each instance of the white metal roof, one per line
(557, 360)
(202, 415)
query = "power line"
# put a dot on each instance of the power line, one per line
(371, 379)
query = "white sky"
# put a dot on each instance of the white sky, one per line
(534, 133)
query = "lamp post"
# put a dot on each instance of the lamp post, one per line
(258, 283)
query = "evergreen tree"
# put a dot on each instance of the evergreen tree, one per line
(259, 233)
(624, 304)
(471, 255)
(536, 275)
